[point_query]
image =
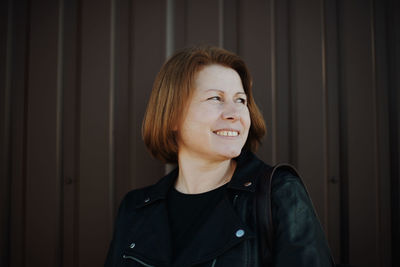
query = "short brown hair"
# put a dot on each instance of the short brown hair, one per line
(172, 90)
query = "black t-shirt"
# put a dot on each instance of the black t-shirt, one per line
(188, 212)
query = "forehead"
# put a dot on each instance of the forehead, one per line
(218, 77)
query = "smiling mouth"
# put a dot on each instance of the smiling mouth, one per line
(227, 133)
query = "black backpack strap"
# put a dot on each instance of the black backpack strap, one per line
(264, 210)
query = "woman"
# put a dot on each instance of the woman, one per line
(202, 116)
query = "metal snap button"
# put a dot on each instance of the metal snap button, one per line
(147, 200)
(247, 184)
(132, 245)
(240, 233)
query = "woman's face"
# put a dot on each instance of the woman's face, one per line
(217, 120)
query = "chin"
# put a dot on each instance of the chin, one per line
(230, 153)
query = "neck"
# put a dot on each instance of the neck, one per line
(199, 176)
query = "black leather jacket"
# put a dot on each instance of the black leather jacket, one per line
(229, 238)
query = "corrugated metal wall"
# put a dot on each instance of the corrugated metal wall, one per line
(76, 76)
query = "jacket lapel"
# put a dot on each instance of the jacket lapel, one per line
(150, 232)
(151, 235)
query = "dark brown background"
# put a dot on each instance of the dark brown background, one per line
(76, 75)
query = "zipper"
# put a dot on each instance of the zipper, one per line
(137, 260)
(234, 200)
(148, 265)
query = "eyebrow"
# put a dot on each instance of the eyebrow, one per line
(221, 91)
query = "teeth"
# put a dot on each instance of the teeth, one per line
(227, 133)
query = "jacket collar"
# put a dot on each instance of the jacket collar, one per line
(248, 168)
(244, 178)
(223, 229)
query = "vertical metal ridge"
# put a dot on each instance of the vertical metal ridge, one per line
(170, 35)
(343, 157)
(7, 130)
(394, 127)
(111, 112)
(169, 28)
(78, 142)
(274, 99)
(238, 33)
(325, 116)
(131, 91)
(221, 23)
(375, 126)
(25, 125)
(185, 24)
(291, 93)
(59, 132)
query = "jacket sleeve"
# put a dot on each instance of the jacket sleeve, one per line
(299, 237)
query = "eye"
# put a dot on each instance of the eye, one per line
(217, 98)
(241, 100)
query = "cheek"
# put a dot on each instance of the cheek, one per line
(246, 121)
(197, 121)
(203, 116)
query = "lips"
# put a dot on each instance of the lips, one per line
(225, 132)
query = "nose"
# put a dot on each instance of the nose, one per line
(231, 112)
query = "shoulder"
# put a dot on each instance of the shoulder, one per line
(297, 231)
(144, 196)
(286, 178)
(288, 188)
(134, 198)
(290, 199)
